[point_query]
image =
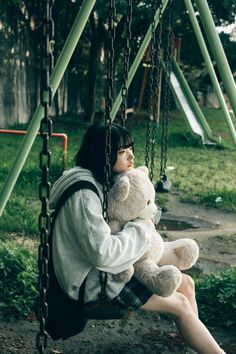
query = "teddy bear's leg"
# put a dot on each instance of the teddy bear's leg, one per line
(182, 253)
(162, 281)
(124, 276)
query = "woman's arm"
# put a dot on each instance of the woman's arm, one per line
(107, 252)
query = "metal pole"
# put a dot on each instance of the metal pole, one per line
(55, 79)
(218, 51)
(138, 58)
(210, 68)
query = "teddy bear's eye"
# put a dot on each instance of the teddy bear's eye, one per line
(149, 201)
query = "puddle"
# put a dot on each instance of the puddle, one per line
(174, 224)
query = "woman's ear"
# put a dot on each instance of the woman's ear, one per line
(120, 189)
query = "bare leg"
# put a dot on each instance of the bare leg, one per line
(193, 330)
(187, 288)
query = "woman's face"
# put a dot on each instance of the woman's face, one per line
(125, 160)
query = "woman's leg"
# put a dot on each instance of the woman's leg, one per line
(193, 330)
(187, 288)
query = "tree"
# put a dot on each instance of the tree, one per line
(83, 85)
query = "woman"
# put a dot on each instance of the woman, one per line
(83, 244)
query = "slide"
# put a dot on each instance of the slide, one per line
(189, 107)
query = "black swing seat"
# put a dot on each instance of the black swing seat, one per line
(66, 316)
(163, 185)
(104, 309)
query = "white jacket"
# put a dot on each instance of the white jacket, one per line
(82, 240)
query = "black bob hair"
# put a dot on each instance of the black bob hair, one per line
(91, 154)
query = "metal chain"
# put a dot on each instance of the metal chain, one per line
(108, 121)
(127, 51)
(154, 82)
(109, 104)
(166, 109)
(156, 88)
(45, 162)
(150, 96)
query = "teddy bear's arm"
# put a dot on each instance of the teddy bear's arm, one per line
(182, 253)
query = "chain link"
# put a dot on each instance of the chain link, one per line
(109, 104)
(127, 51)
(108, 121)
(44, 164)
(154, 84)
(166, 109)
(156, 87)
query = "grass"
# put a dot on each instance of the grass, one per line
(199, 174)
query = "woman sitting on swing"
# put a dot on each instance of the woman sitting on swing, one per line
(83, 244)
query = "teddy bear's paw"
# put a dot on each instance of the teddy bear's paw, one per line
(187, 253)
(162, 281)
(124, 276)
(166, 281)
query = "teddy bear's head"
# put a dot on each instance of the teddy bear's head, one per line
(132, 196)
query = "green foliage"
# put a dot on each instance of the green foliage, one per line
(18, 280)
(220, 199)
(20, 215)
(216, 296)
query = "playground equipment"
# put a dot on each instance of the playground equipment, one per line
(179, 88)
(63, 61)
(189, 107)
(221, 64)
(62, 136)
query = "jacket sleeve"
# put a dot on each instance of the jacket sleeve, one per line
(106, 252)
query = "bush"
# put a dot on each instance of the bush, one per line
(216, 296)
(18, 280)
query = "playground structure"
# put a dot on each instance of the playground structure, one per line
(182, 94)
(201, 127)
(62, 136)
(190, 109)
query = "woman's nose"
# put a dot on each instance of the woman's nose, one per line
(131, 155)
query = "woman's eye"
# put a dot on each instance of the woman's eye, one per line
(121, 151)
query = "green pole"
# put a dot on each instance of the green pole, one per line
(218, 51)
(55, 79)
(138, 57)
(210, 68)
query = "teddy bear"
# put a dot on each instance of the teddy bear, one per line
(132, 196)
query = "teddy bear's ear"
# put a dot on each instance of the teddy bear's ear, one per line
(120, 190)
(144, 169)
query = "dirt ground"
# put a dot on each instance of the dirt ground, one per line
(215, 232)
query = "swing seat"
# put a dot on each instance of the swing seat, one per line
(163, 185)
(103, 309)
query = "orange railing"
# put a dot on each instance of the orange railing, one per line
(57, 135)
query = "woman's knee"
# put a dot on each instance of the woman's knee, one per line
(187, 286)
(176, 304)
(182, 305)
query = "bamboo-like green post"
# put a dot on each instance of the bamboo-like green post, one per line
(55, 80)
(210, 68)
(218, 51)
(138, 58)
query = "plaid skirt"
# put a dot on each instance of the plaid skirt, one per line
(133, 295)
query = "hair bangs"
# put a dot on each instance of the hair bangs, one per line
(126, 141)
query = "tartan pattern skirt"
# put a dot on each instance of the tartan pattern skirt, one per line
(134, 295)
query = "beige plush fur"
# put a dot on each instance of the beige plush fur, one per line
(132, 196)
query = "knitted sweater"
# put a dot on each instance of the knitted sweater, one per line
(83, 243)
